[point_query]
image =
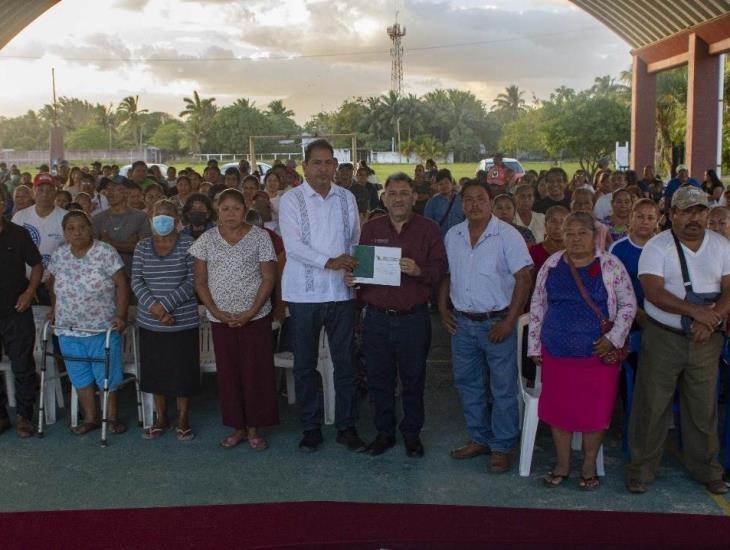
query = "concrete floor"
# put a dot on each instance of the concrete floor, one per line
(63, 471)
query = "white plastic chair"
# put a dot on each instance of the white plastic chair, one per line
(531, 397)
(577, 445)
(285, 360)
(130, 365)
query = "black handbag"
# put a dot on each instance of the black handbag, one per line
(698, 298)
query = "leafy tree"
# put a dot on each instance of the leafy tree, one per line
(169, 137)
(521, 135)
(106, 117)
(88, 138)
(430, 148)
(25, 132)
(232, 126)
(277, 108)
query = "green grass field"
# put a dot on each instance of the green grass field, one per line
(458, 169)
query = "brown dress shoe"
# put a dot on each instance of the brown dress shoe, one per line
(470, 450)
(636, 486)
(4, 424)
(716, 487)
(23, 427)
(500, 462)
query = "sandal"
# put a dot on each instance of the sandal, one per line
(552, 480)
(116, 427)
(185, 434)
(636, 487)
(231, 441)
(85, 428)
(258, 443)
(589, 483)
(154, 432)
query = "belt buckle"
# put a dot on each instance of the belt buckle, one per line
(391, 311)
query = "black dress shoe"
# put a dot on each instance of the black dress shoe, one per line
(414, 447)
(381, 444)
(349, 438)
(311, 440)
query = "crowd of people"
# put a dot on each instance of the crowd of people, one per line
(597, 261)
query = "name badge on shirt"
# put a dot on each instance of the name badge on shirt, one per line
(381, 241)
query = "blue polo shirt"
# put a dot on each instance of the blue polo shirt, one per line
(436, 209)
(672, 187)
(628, 252)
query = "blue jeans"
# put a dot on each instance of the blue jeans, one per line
(485, 375)
(392, 346)
(338, 320)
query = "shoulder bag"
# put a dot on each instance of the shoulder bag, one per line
(617, 355)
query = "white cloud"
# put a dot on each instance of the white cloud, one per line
(536, 44)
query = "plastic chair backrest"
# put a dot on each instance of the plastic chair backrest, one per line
(527, 393)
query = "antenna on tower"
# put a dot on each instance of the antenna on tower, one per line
(396, 32)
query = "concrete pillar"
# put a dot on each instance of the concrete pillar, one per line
(56, 149)
(702, 108)
(643, 115)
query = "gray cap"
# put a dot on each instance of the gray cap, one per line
(688, 196)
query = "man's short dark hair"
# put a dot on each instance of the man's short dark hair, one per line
(232, 170)
(317, 144)
(444, 173)
(556, 170)
(475, 183)
(215, 167)
(399, 176)
(345, 166)
(138, 163)
(212, 162)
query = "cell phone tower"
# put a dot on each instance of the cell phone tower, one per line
(395, 32)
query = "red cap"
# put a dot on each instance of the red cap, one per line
(42, 178)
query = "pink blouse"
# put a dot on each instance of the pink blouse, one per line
(621, 300)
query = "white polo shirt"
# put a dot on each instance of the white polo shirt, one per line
(315, 229)
(483, 276)
(706, 268)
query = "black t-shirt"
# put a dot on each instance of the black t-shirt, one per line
(16, 250)
(542, 205)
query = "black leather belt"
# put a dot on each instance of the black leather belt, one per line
(487, 316)
(391, 312)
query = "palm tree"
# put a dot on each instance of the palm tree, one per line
(106, 118)
(130, 115)
(277, 108)
(199, 113)
(372, 123)
(430, 148)
(510, 102)
(391, 112)
(411, 115)
(245, 103)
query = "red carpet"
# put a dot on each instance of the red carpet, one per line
(352, 525)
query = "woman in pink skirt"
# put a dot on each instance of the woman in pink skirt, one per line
(565, 337)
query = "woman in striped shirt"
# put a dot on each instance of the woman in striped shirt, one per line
(167, 316)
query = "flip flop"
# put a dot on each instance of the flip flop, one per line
(116, 427)
(552, 480)
(230, 442)
(154, 432)
(589, 483)
(85, 428)
(258, 443)
(185, 434)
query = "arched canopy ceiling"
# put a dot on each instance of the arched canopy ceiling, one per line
(645, 22)
(15, 15)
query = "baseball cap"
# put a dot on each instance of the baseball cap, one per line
(682, 167)
(44, 178)
(688, 196)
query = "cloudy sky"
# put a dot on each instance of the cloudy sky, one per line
(313, 54)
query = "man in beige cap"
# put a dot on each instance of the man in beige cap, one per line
(685, 274)
(680, 180)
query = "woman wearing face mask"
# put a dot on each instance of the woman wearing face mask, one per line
(167, 316)
(198, 215)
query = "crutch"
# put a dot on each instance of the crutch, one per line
(105, 399)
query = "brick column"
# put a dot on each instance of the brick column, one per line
(643, 115)
(702, 108)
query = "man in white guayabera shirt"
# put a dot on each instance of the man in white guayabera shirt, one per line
(320, 225)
